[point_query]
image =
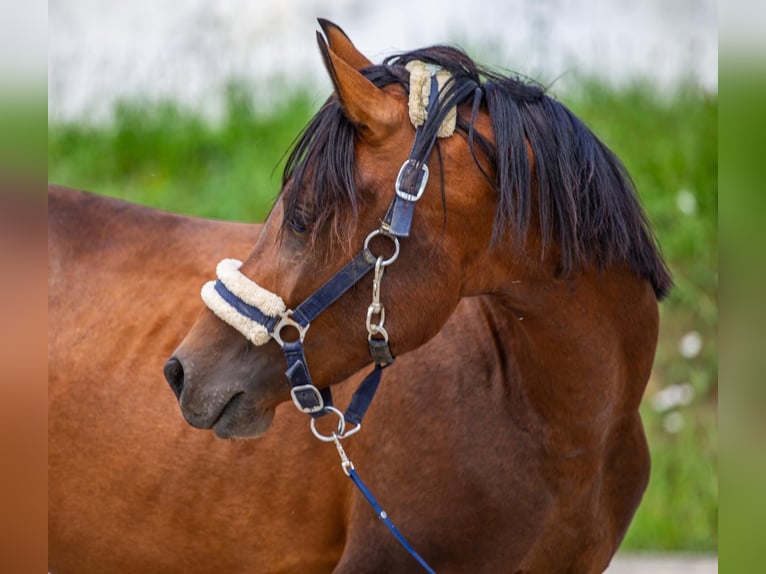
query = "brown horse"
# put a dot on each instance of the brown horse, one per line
(511, 441)
(131, 487)
(487, 460)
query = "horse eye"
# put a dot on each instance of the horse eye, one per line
(298, 226)
(298, 223)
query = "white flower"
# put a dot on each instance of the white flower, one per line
(690, 344)
(672, 397)
(686, 202)
(673, 422)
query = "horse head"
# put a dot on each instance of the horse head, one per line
(451, 179)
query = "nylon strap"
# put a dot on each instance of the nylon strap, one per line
(362, 397)
(398, 219)
(303, 391)
(253, 313)
(334, 288)
(311, 399)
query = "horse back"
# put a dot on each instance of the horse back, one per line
(131, 487)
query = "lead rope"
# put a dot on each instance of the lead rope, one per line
(378, 340)
(348, 468)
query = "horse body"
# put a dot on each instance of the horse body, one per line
(131, 488)
(538, 221)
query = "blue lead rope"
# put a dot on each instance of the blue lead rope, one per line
(386, 520)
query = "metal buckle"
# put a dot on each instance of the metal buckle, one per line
(317, 396)
(286, 320)
(411, 163)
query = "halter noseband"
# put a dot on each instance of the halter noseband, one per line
(260, 315)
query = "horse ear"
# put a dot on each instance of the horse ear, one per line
(341, 44)
(366, 105)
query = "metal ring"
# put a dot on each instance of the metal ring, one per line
(382, 317)
(286, 320)
(377, 330)
(348, 433)
(394, 238)
(341, 426)
(342, 432)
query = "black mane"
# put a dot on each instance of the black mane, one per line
(584, 197)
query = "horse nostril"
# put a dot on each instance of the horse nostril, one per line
(174, 374)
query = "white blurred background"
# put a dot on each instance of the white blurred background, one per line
(187, 50)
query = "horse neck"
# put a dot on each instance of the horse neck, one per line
(577, 351)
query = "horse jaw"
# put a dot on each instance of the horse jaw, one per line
(228, 412)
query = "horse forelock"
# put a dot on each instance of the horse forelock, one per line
(584, 200)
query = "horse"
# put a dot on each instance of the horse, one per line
(132, 488)
(520, 297)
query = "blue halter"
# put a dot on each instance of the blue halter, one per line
(410, 185)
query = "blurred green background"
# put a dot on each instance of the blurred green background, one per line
(163, 155)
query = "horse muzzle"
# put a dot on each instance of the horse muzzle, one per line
(233, 398)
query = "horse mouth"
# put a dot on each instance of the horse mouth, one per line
(240, 419)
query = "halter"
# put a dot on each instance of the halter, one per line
(260, 315)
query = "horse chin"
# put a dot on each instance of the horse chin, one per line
(239, 420)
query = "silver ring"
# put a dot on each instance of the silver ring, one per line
(341, 426)
(381, 317)
(342, 432)
(394, 238)
(286, 320)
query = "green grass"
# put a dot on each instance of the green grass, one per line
(168, 157)
(22, 132)
(670, 146)
(679, 510)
